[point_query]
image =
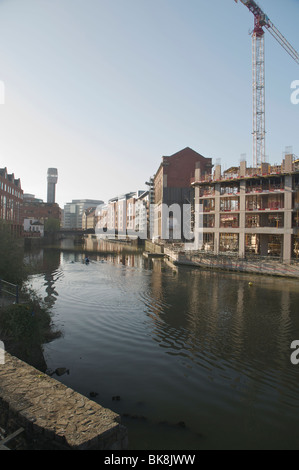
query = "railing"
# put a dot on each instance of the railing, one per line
(207, 192)
(235, 208)
(273, 206)
(274, 170)
(9, 438)
(10, 290)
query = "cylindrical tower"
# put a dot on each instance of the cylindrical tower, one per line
(52, 180)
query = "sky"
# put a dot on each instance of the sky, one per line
(102, 89)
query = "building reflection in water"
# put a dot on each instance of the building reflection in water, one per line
(47, 263)
(97, 245)
(224, 322)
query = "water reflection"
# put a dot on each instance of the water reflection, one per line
(221, 322)
(46, 262)
(207, 348)
(97, 245)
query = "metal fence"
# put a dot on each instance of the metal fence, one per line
(9, 293)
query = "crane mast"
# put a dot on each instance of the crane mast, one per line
(261, 22)
(258, 91)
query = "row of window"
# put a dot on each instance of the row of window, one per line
(252, 203)
(252, 186)
(251, 221)
(10, 190)
(9, 209)
(265, 245)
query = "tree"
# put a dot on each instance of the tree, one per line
(52, 225)
(12, 267)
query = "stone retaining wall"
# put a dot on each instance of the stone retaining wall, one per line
(229, 263)
(153, 247)
(54, 416)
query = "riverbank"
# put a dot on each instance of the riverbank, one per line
(52, 415)
(264, 266)
(177, 256)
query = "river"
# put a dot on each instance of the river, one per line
(190, 359)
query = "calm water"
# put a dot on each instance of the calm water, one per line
(199, 359)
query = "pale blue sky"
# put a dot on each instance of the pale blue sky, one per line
(101, 89)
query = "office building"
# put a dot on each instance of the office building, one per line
(73, 212)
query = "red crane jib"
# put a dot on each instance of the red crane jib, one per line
(261, 19)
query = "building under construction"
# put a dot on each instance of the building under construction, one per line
(250, 210)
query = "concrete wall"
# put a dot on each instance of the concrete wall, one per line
(233, 263)
(153, 248)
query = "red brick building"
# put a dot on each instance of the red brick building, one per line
(11, 201)
(41, 211)
(172, 182)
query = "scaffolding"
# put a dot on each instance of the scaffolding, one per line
(229, 242)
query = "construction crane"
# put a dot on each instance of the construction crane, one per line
(262, 23)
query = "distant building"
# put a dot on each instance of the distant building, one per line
(52, 178)
(117, 214)
(11, 201)
(142, 215)
(150, 207)
(36, 209)
(73, 212)
(172, 186)
(36, 212)
(136, 215)
(31, 198)
(89, 218)
(102, 219)
(124, 216)
(33, 228)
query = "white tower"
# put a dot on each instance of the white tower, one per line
(52, 180)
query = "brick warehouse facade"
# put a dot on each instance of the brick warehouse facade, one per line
(172, 184)
(11, 201)
(41, 211)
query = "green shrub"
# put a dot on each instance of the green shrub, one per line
(12, 267)
(24, 328)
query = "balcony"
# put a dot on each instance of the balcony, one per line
(208, 205)
(229, 190)
(265, 221)
(230, 204)
(264, 189)
(208, 221)
(207, 191)
(229, 221)
(265, 203)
